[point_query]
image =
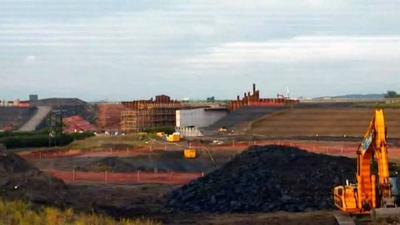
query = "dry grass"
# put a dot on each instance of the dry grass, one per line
(102, 142)
(394, 105)
(20, 213)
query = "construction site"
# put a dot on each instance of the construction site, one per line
(244, 161)
(199, 112)
(152, 114)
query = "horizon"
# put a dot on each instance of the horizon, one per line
(118, 50)
(193, 99)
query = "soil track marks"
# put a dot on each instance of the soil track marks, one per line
(350, 122)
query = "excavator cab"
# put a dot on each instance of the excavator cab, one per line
(394, 181)
(345, 198)
(394, 200)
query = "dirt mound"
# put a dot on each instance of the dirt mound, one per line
(11, 163)
(20, 180)
(240, 118)
(322, 122)
(161, 161)
(70, 107)
(114, 164)
(266, 179)
(13, 117)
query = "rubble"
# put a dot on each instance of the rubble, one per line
(266, 179)
(20, 180)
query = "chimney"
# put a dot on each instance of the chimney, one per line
(254, 89)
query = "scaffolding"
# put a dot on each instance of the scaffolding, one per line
(143, 115)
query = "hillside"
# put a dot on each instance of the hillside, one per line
(70, 107)
(12, 117)
(322, 122)
(239, 119)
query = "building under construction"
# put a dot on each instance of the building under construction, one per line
(143, 115)
(253, 99)
(109, 116)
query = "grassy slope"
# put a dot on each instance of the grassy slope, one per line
(20, 213)
(100, 142)
(395, 105)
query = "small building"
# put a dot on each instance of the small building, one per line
(189, 121)
(15, 103)
(33, 98)
(200, 117)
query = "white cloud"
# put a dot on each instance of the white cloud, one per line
(305, 49)
(119, 42)
(30, 59)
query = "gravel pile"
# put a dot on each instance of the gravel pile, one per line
(20, 180)
(266, 179)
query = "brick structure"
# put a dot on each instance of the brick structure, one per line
(253, 99)
(142, 115)
(109, 116)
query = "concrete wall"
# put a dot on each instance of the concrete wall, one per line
(198, 117)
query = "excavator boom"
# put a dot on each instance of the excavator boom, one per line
(370, 193)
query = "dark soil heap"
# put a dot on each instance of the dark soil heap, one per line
(20, 180)
(267, 179)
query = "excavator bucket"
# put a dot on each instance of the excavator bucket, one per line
(382, 213)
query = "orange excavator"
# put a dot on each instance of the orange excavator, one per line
(371, 194)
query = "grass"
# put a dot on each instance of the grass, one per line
(13, 140)
(21, 213)
(380, 105)
(102, 142)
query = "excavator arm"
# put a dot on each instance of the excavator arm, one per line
(369, 193)
(374, 145)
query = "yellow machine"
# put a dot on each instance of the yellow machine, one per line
(190, 153)
(222, 130)
(370, 192)
(160, 134)
(175, 137)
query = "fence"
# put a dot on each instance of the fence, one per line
(331, 148)
(189, 131)
(125, 178)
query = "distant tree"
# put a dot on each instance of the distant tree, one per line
(211, 99)
(392, 94)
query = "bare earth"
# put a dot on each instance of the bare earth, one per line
(350, 122)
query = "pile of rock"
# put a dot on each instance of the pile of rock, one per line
(20, 180)
(267, 179)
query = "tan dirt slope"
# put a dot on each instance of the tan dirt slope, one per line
(322, 122)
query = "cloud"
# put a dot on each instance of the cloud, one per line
(119, 42)
(30, 59)
(304, 49)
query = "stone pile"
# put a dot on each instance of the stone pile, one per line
(267, 179)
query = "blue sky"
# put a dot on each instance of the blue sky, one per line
(122, 50)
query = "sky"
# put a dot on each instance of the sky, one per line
(118, 50)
